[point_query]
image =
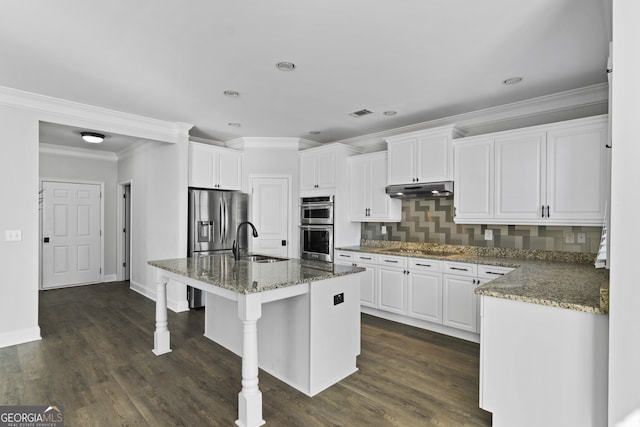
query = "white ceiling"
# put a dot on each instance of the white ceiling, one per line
(425, 59)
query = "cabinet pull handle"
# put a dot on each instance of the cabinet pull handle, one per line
(542, 210)
(346, 256)
(548, 214)
(457, 268)
(493, 272)
(390, 260)
(423, 265)
(364, 257)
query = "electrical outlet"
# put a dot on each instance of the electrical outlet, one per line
(488, 234)
(569, 237)
(383, 229)
(12, 235)
(582, 238)
(338, 299)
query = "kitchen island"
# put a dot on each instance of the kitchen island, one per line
(309, 319)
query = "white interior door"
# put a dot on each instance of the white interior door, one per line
(270, 213)
(71, 227)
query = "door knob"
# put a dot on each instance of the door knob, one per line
(46, 240)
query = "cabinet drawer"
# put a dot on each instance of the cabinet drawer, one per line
(392, 261)
(366, 258)
(492, 272)
(461, 268)
(423, 264)
(344, 256)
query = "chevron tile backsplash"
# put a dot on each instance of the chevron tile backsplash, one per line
(431, 221)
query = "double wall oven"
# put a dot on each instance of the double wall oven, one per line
(316, 228)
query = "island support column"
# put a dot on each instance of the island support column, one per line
(250, 397)
(161, 337)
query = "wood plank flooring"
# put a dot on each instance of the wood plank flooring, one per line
(95, 359)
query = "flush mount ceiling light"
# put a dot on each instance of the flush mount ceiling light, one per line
(234, 125)
(285, 66)
(231, 93)
(390, 113)
(512, 80)
(92, 137)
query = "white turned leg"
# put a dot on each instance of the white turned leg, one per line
(250, 397)
(161, 337)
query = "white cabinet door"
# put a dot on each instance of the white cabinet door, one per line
(520, 176)
(326, 169)
(308, 171)
(201, 166)
(381, 206)
(401, 162)
(459, 302)
(473, 191)
(391, 289)
(433, 156)
(359, 188)
(368, 285)
(229, 166)
(576, 171)
(425, 295)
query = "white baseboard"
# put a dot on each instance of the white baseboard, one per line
(20, 336)
(142, 290)
(418, 323)
(109, 278)
(176, 306)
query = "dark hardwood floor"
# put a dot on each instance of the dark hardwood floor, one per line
(95, 359)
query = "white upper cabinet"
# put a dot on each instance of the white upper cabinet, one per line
(547, 175)
(317, 170)
(214, 167)
(367, 181)
(473, 181)
(519, 175)
(423, 156)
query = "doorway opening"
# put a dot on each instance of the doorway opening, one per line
(124, 231)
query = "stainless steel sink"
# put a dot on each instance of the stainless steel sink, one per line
(262, 258)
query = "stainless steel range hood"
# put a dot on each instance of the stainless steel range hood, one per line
(427, 190)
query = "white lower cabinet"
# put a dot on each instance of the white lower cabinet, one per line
(368, 279)
(425, 289)
(392, 275)
(420, 290)
(459, 302)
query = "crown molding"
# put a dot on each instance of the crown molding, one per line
(494, 116)
(76, 114)
(84, 153)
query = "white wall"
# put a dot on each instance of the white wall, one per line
(158, 176)
(624, 318)
(104, 170)
(19, 196)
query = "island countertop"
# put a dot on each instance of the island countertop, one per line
(247, 277)
(567, 283)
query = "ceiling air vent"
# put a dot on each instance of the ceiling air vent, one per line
(361, 113)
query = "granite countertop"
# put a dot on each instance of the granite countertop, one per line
(557, 279)
(247, 277)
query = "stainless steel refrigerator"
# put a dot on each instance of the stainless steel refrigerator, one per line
(214, 216)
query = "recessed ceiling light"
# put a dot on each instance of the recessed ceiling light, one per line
(231, 93)
(285, 66)
(390, 113)
(512, 80)
(92, 137)
(234, 125)
(314, 132)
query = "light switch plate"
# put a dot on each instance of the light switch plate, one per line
(383, 229)
(569, 237)
(12, 235)
(582, 238)
(488, 234)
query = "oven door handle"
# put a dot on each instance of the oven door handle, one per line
(317, 227)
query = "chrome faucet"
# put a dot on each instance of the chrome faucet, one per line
(236, 247)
